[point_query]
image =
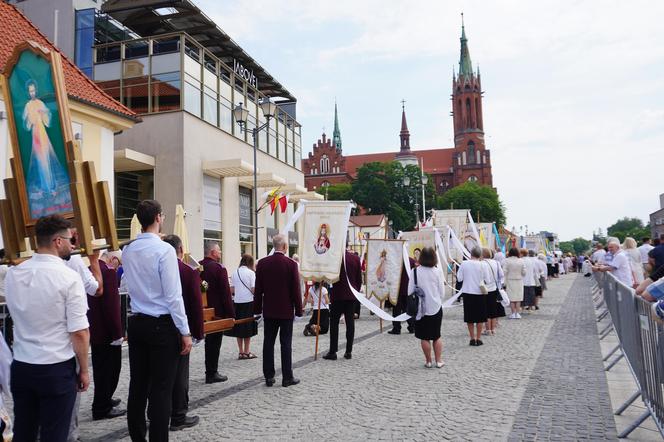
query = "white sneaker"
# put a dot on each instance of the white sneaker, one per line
(518, 316)
(511, 316)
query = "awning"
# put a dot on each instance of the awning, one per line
(228, 168)
(293, 189)
(128, 160)
(263, 180)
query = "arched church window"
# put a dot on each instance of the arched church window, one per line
(324, 164)
(469, 116)
(471, 153)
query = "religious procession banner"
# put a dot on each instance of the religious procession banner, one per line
(534, 242)
(417, 240)
(456, 219)
(384, 267)
(487, 237)
(324, 225)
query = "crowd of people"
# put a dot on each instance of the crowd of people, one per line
(167, 296)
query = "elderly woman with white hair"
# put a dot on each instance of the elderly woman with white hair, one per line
(474, 289)
(619, 265)
(634, 256)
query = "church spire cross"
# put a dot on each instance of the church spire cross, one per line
(404, 135)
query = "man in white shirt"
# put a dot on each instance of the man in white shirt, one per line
(644, 248)
(47, 303)
(619, 265)
(157, 331)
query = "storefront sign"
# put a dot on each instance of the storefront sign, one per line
(245, 207)
(245, 73)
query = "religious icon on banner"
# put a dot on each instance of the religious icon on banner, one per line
(41, 136)
(384, 267)
(322, 244)
(417, 240)
(324, 232)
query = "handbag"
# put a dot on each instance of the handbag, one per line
(483, 288)
(413, 299)
(505, 300)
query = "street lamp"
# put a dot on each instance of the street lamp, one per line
(425, 180)
(406, 183)
(241, 114)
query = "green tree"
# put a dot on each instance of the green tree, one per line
(626, 226)
(577, 246)
(337, 192)
(379, 188)
(482, 201)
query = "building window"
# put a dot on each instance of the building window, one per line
(84, 39)
(444, 185)
(471, 153)
(246, 221)
(324, 164)
(469, 116)
(130, 189)
(472, 179)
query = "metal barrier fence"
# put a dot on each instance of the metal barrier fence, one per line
(641, 344)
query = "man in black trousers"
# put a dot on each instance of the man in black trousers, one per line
(343, 303)
(278, 297)
(158, 331)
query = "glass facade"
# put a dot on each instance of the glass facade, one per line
(172, 72)
(84, 40)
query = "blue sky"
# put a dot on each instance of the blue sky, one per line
(574, 90)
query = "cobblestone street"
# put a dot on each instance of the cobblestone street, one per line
(499, 391)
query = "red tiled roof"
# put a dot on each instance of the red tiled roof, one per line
(435, 160)
(367, 220)
(16, 28)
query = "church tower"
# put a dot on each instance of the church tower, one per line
(472, 161)
(336, 135)
(405, 156)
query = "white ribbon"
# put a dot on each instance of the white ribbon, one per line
(473, 228)
(291, 222)
(458, 244)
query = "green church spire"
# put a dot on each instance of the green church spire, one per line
(336, 135)
(465, 65)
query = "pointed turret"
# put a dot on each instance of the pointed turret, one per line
(404, 135)
(465, 65)
(336, 135)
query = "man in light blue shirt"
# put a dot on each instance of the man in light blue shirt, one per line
(157, 331)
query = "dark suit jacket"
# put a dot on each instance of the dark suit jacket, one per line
(403, 285)
(340, 291)
(219, 290)
(104, 311)
(193, 299)
(277, 294)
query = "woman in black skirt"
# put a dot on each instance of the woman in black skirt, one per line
(494, 281)
(243, 281)
(429, 277)
(471, 274)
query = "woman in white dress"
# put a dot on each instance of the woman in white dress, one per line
(514, 269)
(634, 256)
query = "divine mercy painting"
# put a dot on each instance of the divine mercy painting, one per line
(39, 135)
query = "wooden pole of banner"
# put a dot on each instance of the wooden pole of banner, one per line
(320, 298)
(382, 305)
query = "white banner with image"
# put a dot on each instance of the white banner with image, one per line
(384, 266)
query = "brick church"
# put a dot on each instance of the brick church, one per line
(468, 160)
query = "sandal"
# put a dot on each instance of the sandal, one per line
(440, 364)
(250, 355)
(242, 356)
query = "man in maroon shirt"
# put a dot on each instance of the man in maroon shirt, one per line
(218, 297)
(343, 303)
(278, 297)
(106, 337)
(401, 301)
(193, 307)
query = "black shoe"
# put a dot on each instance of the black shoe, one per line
(473, 343)
(330, 356)
(479, 342)
(306, 332)
(289, 382)
(536, 308)
(348, 355)
(214, 378)
(269, 382)
(114, 412)
(394, 331)
(115, 402)
(189, 421)
(411, 330)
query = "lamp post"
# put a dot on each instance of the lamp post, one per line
(422, 182)
(241, 114)
(425, 180)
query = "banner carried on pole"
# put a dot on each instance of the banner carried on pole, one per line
(417, 240)
(384, 267)
(324, 226)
